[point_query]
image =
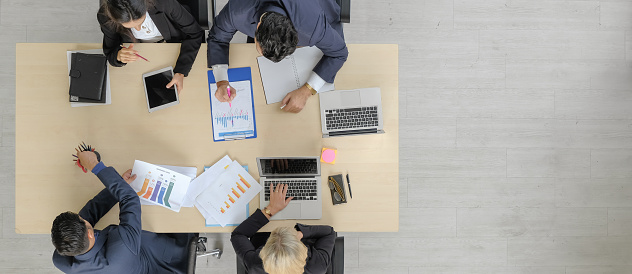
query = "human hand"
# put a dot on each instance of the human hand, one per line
(295, 101)
(128, 177)
(278, 201)
(222, 92)
(178, 80)
(126, 55)
(87, 159)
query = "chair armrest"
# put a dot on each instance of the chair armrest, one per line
(345, 10)
(338, 262)
(192, 255)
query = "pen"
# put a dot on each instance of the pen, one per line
(141, 57)
(228, 89)
(283, 106)
(349, 184)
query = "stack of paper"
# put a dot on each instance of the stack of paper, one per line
(222, 193)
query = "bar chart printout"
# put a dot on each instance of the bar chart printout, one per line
(159, 186)
(226, 197)
(235, 120)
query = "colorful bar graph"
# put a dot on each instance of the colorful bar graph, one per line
(231, 199)
(144, 188)
(162, 194)
(236, 194)
(155, 195)
(166, 200)
(227, 205)
(244, 181)
(148, 193)
(241, 188)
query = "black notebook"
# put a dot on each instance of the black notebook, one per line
(76, 99)
(87, 73)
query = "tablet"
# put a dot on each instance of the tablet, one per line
(158, 96)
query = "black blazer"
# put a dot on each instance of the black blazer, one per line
(175, 24)
(319, 239)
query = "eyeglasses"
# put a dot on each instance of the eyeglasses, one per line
(333, 185)
(337, 196)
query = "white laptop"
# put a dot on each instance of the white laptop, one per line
(302, 174)
(351, 112)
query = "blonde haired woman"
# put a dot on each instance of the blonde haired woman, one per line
(301, 249)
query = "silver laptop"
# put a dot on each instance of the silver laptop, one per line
(302, 174)
(351, 112)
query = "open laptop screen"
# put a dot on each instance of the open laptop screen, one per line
(289, 166)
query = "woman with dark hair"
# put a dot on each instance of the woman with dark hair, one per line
(149, 21)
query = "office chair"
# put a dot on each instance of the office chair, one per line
(337, 265)
(197, 8)
(197, 249)
(345, 10)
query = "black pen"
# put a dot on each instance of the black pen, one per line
(349, 184)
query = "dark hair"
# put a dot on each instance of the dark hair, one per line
(69, 234)
(123, 11)
(277, 36)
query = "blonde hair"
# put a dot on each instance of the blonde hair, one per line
(283, 253)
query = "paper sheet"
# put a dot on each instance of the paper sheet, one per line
(207, 177)
(159, 185)
(235, 120)
(226, 197)
(190, 172)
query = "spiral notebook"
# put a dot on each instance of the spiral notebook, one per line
(289, 74)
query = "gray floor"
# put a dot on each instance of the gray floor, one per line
(516, 134)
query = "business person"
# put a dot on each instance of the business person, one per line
(301, 249)
(279, 26)
(123, 248)
(149, 21)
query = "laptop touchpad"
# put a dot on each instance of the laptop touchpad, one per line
(350, 98)
(291, 211)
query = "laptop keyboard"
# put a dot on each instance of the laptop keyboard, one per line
(300, 189)
(351, 118)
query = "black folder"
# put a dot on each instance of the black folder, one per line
(87, 73)
(104, 94)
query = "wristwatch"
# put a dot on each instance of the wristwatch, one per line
(311, 89)
(267, 211)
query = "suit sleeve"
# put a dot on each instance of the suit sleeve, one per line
(240, 237)
(194, 36)
(218, 41)
(334, 49)
(112, 40)
(323, 247)
(98, 206)
(129, 204)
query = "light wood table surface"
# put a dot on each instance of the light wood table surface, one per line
(48, 129)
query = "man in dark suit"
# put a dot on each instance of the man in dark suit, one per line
(279, 26)
(122, 248)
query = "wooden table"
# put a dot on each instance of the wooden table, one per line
(47, 130)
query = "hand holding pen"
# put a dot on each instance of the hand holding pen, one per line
(127, 55)
(222, 94)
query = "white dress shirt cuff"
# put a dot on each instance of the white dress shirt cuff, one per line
(220, 72)
(316, 82)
